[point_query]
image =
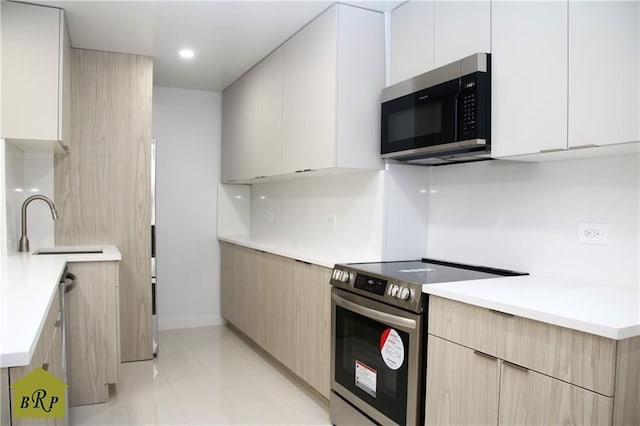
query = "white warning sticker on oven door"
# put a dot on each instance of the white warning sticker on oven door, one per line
(392, 349)
(366, 378)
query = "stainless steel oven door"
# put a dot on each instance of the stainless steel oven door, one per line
(377, 358)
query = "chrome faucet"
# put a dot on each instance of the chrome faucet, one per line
(24, 241)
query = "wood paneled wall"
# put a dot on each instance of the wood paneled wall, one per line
(103, 187)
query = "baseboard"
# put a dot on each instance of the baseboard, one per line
(190, 322)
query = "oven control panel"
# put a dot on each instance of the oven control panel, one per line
(370, 284)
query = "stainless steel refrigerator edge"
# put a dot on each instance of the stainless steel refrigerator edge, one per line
(154, 310)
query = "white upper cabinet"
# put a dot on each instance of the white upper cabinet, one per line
(320, 101)
(529, 77)
(412, 40)
(35, 76)
(319, 137)
(603, 72)
(429, 34)
(234, 114)
(270, 149)
(462, 28)
(294, 101)
(565, 76)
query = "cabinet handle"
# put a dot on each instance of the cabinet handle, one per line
(544, 151)
(72, 280)
(591, 145)
(302, 261)
(502, 313)
(260, 177)
(45, 366)
(516, 366)
(484, 355)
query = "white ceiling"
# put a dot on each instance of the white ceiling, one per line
(228, 36)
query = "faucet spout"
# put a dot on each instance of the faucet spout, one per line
(24, 241)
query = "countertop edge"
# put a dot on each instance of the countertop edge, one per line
(612, 332)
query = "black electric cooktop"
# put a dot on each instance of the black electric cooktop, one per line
(429, 271)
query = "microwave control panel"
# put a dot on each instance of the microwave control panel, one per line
(468, 99)
(473, 106)
(370, 284)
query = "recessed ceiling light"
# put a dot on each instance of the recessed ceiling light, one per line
(186, 53)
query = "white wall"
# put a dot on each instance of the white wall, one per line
(524, 216)
(186, 126)
(341, 215)
(27, 174)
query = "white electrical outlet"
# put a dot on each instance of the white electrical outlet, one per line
(269, 216)
(593, 233)
(332, 220)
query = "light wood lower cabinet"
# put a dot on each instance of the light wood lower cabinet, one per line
(47, 355)
(462, 387)
(531, 398)
(283, 305)
(486, 367)
(92, 315)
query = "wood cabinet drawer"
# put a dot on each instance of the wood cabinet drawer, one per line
(471, 326)
(530, 398)
(580, 358)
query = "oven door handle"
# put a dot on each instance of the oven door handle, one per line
(383, 317)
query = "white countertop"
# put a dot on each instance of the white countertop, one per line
(321, 257)
(601, 310)
(28, 285)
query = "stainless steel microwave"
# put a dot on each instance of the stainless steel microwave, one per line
(439, 117)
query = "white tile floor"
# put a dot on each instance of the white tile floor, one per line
(204, 376)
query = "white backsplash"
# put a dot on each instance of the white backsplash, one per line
(27, 174)
(406, 211)
(525, 216)
(341, 214)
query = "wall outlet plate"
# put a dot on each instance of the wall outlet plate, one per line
(268, 216)
(593, 233)
(332, 220)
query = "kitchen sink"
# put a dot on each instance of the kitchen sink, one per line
(68, 250)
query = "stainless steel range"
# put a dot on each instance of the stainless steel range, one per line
(378, 325)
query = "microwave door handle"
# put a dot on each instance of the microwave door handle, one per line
(383, 317)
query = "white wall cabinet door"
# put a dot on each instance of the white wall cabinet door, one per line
(230, 132)
(429, 34)
(268, 150)
(461, 28)
(320, 99)
(35, 78)
(603, 72)
(294, 96)
(529, 77)
(412, 40)
(240, 126)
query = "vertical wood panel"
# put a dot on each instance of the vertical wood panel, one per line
(103, 187)
(91, 328)
(626, 408)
